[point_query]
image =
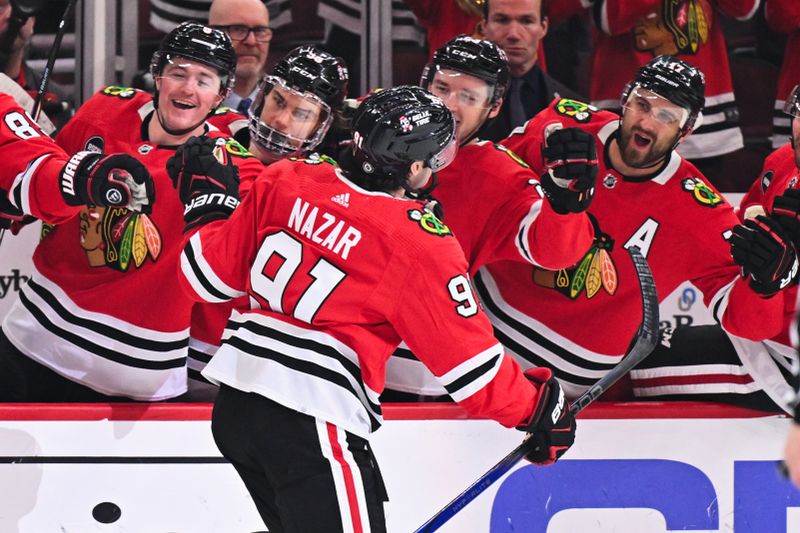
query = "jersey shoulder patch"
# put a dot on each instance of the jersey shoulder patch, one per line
(235, 148)
(510, 153)
(120, 92)
(316, 159)
(702, 193)
(580, 112)
(428, 222)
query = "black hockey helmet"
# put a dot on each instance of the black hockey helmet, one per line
(395, 127)
(208, 46)
(791, 106)
(677, 81)
(312, 76)
(309, 69)
(475, 57)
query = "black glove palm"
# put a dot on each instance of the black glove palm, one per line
(206, 179)
(551, 429)
(570, 156)
(765, 253)
(116, 180)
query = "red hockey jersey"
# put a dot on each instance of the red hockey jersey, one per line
(493, 204)
(336, 277)
(32, 163)
(580, 320)
(102, 306)
(784, 16)
(634, 31)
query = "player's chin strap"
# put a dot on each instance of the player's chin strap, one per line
(644, 343)
(424, 195)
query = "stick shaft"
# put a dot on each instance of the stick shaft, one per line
(51, 59)
(646, 339)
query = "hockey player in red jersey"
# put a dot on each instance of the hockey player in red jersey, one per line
(102, 316)
(340, 264)
(580, 320)
(492, 201)
(291, 114)
(40, 180)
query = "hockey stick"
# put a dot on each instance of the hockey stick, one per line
(51, 59)
(13, 89)
(646, 339)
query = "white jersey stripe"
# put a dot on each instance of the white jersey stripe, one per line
(202, 277)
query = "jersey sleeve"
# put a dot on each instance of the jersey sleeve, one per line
(215, 263)
(438, 317)
(783, 15)
(738, 9)
(524, 226)
(32, 164)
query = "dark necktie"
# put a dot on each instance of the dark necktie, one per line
(516, 109)
(244, 105)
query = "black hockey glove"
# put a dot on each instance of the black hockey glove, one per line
(786, 210)
(570, 156)
(206, 179)
(116, 180)
(765, 253)
(551, 429)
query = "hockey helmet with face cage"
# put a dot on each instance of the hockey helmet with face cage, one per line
(311, 84)
(395, 127)
(792, 104)
(475, 57)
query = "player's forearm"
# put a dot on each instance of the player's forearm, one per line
(751, 315)
(559, 241)
(41, 192)
(739, 9)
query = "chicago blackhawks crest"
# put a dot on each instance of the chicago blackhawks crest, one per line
(595, 271)
(116, 237)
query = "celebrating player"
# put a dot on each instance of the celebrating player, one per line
(580, 320)
(291, 114)
(102, 316)
(337, 265)
(492, 201)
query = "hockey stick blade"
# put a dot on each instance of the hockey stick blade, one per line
(645, 343)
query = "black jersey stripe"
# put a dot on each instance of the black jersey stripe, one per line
(476, 373)
(189, 254)
(99, 327)
(95, 349)
(532, 335)
(306, 368)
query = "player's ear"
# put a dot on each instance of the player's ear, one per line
(493, 112)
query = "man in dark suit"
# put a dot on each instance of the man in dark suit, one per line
(517, 26)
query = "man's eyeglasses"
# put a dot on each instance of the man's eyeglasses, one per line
(238, 32)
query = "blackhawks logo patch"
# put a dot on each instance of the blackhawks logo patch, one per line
(116, 237)
(316, 159)
(595, 271)
(511, 154)
(429, 223)
(579, 111)
(120, 92)
(701, 192)
(233, 147)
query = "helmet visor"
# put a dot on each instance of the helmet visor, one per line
(286, 121)
(465, 89)
(642, 101)
(444, 157)
(792, 104)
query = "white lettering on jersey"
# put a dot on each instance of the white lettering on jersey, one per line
(304, 222)
(643, 237)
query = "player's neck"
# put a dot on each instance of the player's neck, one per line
(159, 136)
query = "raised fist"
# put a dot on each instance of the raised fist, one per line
(116, 180)
(206, 179)
(570, 157)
